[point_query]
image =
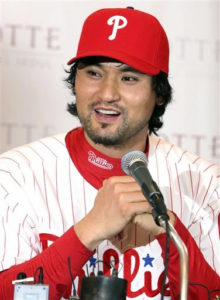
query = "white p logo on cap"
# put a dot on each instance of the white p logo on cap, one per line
(115, 21)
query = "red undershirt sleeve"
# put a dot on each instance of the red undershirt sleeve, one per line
(199, 270)
(55, 266)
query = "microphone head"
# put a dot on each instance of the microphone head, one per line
(130, 157)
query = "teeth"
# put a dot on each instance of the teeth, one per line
(107, 112)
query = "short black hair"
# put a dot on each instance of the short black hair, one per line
(160, 85)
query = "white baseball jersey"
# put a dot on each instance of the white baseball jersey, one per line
(42, 194)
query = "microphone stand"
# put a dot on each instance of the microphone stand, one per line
(134, 163)
(183, 253)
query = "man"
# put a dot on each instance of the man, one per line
(70, 189)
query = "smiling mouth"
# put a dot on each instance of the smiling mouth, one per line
(107, 112)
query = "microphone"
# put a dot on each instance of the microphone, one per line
(134, 163)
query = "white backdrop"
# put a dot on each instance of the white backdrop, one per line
(37, 38)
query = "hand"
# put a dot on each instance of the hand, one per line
(147, 222)
(140, 231)
(118, 201)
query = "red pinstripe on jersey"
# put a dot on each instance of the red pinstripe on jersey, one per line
(16, 205)
(184, 152)
(191, 181)
(24, 220)
(203, 200)
(219, 224)
(15, 162)
(197, 158)
(4, 244)
(210, 166)
(157, 165)
(56, 183)
(180, 193)
(84, 198)
(7, 214)
(170, 149)
(6, 192)
(197, 188)
(71, 194)
(7, 172)
(45, 188)
(18, 242)
(170, 185)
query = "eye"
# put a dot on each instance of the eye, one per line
(130, 78)
(93, 73)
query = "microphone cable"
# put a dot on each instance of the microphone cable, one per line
(209, 292)
(74, 293)
(40, 276)
(101, 261)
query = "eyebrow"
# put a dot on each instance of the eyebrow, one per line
(126, 68)
(122, 67)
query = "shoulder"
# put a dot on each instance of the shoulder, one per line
(163, 150)
(21, 161)
(41, 148)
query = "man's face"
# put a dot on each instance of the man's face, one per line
(114, 102)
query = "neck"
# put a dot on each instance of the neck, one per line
(117, 151)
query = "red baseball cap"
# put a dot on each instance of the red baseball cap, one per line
(131, 36)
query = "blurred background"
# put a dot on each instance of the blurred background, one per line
(37, 38)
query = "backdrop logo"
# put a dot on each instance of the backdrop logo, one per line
(29, 37)
(118, 22)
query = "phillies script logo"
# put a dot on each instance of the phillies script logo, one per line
(130, 273)
(98, 161)
(118, 22)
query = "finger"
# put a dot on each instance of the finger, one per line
(121, 184)
(128, 187)
(131, 186)
(115, 179)
(139, 217)
(130, 196)
(133, 209)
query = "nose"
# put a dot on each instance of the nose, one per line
(109, 90)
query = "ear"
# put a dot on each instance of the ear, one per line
(159, 101)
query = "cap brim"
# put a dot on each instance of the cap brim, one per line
(133, 62)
